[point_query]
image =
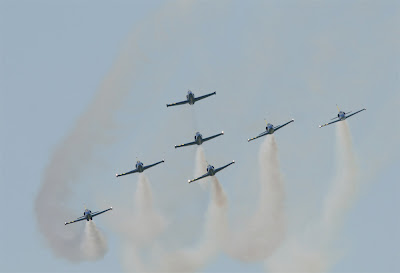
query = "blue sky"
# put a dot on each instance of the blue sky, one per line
(269, 60)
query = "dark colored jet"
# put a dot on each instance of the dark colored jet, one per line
(341, 116)
(140, 168)
(269, 130)
(87, 215)
(198, 139)
(191, 99)
(211, 171)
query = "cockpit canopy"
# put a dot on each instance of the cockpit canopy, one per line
(138, 163)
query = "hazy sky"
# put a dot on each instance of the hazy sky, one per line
(266, 59)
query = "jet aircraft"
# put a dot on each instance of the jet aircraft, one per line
(191, 99)
(87, 215)
(140, 168)
(270, 129)
(198, 139)
(211, 171)
(341, 116)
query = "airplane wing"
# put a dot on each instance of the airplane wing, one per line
(186, 144)
(355, 113)
(77, 220)
(198, 178)
(100, 212)
(329, 123)
(280, 126)
(178, 103)
(152, 165)
(260, 135)
(205, 96)
(223, 167)
(122, 174)
(211, 137)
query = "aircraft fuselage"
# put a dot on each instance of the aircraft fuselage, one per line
(88, 214)
(270, 128)
(198, 138)
(341, 115)
(190, 98)
(139, 166)
(210, 170)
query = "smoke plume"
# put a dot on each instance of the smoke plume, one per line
(313, 251)
(72, 156)
(147, 225)
(193, 259)
(264, 231)
(94, 245)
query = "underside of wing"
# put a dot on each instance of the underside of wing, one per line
(122, 174)
(77, 220)
(223, 167)
(356, 113)
(260, 135)
(152, 165)
(329, 123)
(100, 212)
(186, 144)
(280, 126)
(198, 178)
(204, 96)
(177, 103)
(211, 137)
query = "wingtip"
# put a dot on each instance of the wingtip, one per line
(292, 119)
(163, 160)
(248, 140)
(319, 126)
(116, 175)
(233, 161)
(110, 208)
(222, 132)
(65, 223)
(188, 181)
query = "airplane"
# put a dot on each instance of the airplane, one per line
(198, 139)
(88, 215)
(211, 171)
(270, 129)
(341, 116)
(140, 168)
(191, 99)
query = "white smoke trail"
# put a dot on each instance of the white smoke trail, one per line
(73, 155)
(312, 252)
(265, 230)
(94, 245)
(193, 259)
(139, 229)
(147, 225)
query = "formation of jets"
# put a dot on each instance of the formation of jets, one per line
(199, 140)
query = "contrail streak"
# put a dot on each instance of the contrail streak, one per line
(312, 252)
(265, 230)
